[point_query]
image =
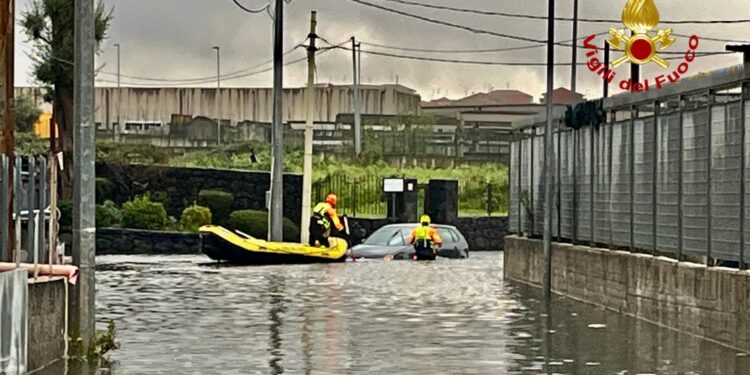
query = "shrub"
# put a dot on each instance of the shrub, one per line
(142, 213)
(159, 197)
(255, 223)
(219, 202)
(104, 190)
(66, 213)
(195, 217)
(108, 215)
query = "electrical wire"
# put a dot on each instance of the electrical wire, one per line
(168, 83)
(492, 63)
(208, 78)
(254, 11)
(532, 17)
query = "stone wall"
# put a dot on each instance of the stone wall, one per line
(182, 185)
(46, 322)
(139, 242)
(705, 301)
(483, 234)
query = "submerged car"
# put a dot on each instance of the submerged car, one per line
(390, 240)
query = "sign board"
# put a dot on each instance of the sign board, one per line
(393, 185)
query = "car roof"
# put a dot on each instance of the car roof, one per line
(407, 225)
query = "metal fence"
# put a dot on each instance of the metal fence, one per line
(364, 197)
(665, 174)
(28, 211)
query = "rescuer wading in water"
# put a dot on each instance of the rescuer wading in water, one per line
(324, 214)
(425, 239)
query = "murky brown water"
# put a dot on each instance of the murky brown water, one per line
(177, 316)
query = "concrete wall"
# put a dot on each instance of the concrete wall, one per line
(692, 298)
(182, 185)
(140, 242)
(46, 322)
(252, 104)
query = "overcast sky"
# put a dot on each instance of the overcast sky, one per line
(172, 39)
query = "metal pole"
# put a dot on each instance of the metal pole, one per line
(592, 185)
(17, 209)
(355, 94)
(680, 169)
(709, 188)
(558, 189)
(31, 236)
(276, 217)
(610, 173)
(743, 165)
(549, 153)
(631, 151)
(655, 176)
(308, 162)
(119, 97)
(218, 94)
(576, 136)
(84, 227)
(606, 64)
(41, 230)
(53, 224)
(520, 175)
(574, 62)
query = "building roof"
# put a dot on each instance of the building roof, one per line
(481, 99)
(561, 95)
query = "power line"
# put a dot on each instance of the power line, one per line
(254, 11)
(168, 83)
(449, 24)
(533, 17)
(490, 63)
(208, 78)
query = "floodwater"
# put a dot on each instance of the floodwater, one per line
(176, 315)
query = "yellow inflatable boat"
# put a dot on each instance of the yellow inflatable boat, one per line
(222, 244)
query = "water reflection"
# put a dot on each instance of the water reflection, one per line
(175, 315)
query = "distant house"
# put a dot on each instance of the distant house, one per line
(564, 96)
(496, 97)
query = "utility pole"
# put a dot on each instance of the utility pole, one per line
(605, 92)
(218, 94)
(84, 227)
(119, 96)
(307, 163)
(574, 65)
(276, 216)
(355, 95)
(7, 121)
(549, 177)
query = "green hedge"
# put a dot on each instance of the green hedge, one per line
(142, 213)
(255, 223)
(108, 215)
(219, 202)
(195, 217)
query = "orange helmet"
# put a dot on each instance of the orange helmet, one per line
(332, 199)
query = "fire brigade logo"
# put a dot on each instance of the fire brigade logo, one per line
(641, 17)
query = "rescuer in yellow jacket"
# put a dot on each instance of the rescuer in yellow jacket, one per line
(425, 239)
(324, 214)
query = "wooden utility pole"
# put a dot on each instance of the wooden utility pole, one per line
(7, 117)
(308, 158)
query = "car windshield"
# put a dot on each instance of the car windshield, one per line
(387, 237)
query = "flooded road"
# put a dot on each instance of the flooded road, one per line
(175, 315)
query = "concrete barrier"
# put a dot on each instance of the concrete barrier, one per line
(46, 322)
(711, 302)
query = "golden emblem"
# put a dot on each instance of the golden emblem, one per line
(641, 17)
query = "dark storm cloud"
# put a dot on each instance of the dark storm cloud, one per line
(172, 39)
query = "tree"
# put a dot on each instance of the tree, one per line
(49, 24)
(27, 114)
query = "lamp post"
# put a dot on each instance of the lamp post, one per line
(218, 93)
(119, 97)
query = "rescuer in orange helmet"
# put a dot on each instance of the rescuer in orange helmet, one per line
(324, 214)
(425, 239)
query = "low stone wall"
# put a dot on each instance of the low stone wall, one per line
(46, 322)
(711, 302)
(483, 234)
(182, 186)
(139, 242)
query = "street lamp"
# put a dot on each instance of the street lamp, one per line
(218, 92)
(119, 97)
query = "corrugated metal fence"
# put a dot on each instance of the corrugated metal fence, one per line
(666, 176)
